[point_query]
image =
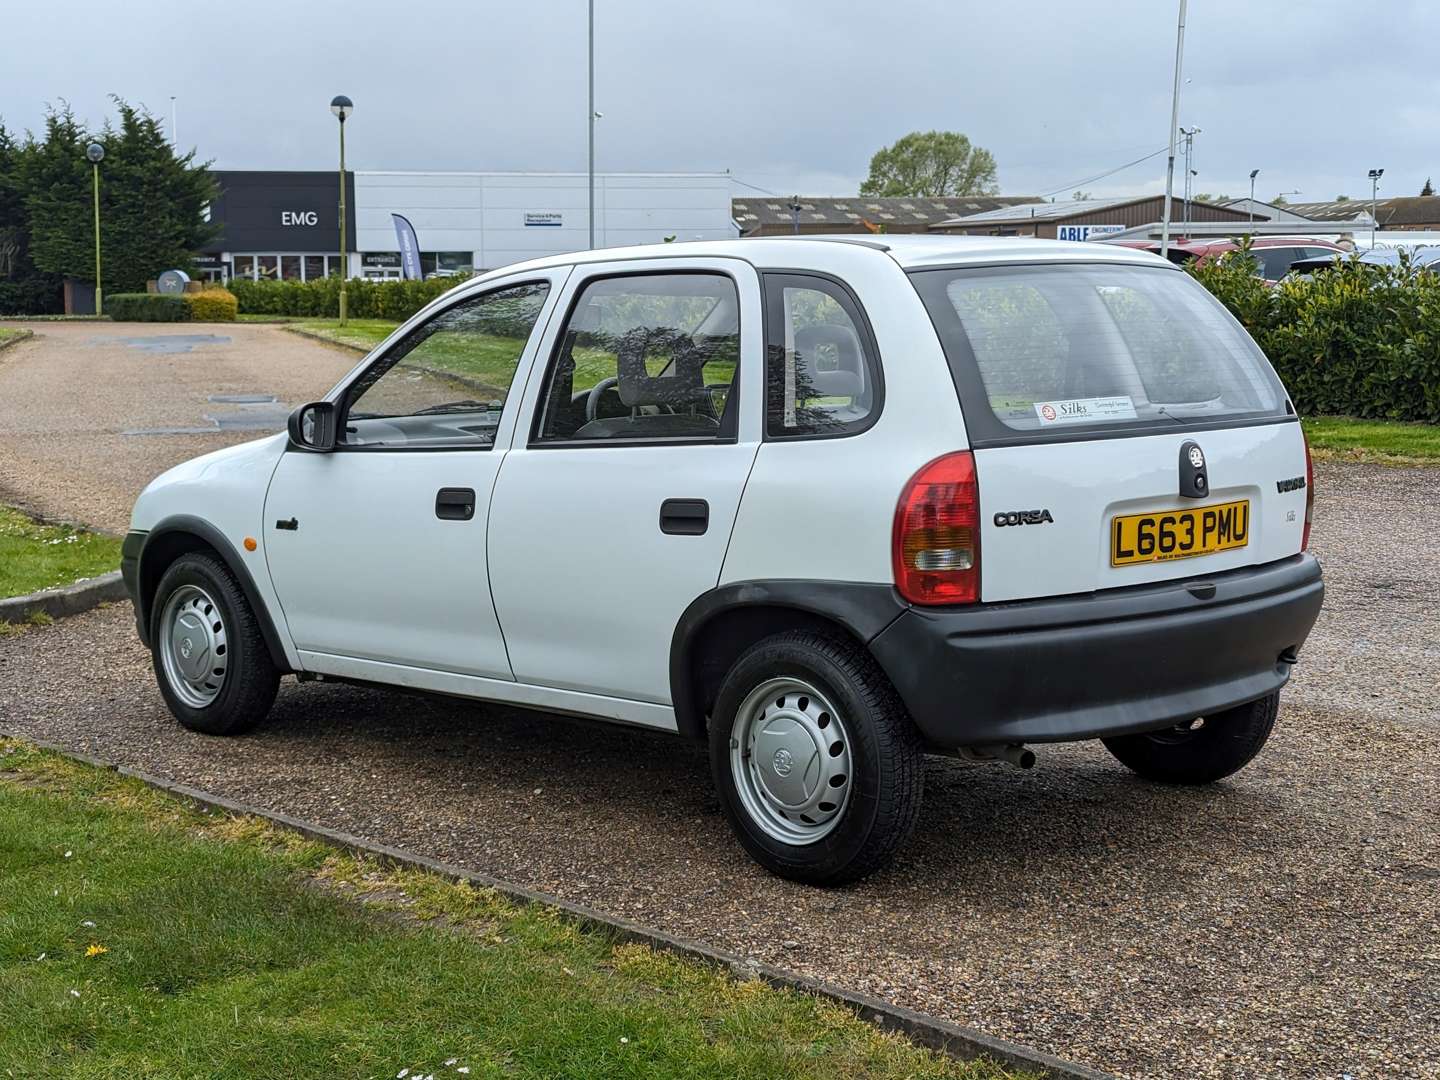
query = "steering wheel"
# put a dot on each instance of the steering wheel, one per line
(592, 403)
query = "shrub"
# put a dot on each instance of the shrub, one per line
(212, 305)
(37, 295)
(394, 300)
(1354, 340)
(147, 307)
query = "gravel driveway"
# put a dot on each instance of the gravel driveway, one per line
(90, 412)
(1285, 923)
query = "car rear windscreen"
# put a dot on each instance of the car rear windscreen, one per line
(1063, 351)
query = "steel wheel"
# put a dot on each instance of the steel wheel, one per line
(790, 759)
(192, 646)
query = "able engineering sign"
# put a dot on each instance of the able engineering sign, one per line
(1085, 232)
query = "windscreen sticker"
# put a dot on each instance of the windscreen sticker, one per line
(1084, 410)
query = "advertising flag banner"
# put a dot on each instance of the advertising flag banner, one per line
(409, 247)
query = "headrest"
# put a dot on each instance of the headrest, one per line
(683, 382)
(828, 359)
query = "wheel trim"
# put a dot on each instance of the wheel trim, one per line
(193, 645)
(790, 758)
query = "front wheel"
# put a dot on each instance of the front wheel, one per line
(818, 766)
(1203, 750)
(214, 670)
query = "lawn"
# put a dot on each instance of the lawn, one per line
(35, 557)
(142, 937)
(1383, 440)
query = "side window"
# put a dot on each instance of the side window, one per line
(645, 356)
(821, 373)
(445, 383)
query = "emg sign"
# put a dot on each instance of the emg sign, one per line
(1085, 232)
(299, 217)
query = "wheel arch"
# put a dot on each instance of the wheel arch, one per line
(721, 624)
(180, 535)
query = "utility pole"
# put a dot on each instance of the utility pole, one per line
(174, 133)
(592, 124)
(1174, 124)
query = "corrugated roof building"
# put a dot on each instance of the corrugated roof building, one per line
(1047, 220)
(1409, 212)
(770, 215)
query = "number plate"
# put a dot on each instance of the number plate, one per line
(1179, 534)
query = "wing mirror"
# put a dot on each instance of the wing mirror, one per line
(312, 427)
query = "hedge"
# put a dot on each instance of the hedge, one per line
(212, 305)
(146, 307)
(393, 300)
(1354, 340)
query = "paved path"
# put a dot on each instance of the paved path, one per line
(91, 412)
(1285, 923)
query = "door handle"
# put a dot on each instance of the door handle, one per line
(455, 504)
(684, 517)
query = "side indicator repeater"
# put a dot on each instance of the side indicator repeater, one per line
(250, 544)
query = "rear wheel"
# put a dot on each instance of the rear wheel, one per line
(817, 764)
(211, 661)
(1202, 750)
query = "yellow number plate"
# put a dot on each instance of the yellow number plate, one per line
(1179, 534)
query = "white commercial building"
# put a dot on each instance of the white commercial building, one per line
(286, 225)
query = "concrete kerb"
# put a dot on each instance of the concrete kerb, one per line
(959, 1042)
(71, 600)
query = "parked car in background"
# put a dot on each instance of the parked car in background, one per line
(828, 504)
(1412, 259)
(1273, 255)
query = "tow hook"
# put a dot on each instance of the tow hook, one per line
(1014, 753)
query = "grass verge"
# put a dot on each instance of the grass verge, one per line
(142, 936)
(1385, 441)
(12, 335)
(362, 334)
(35, 556)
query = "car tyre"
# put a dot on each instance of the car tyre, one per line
(819, 708)
(210, 658)
(1210, 748)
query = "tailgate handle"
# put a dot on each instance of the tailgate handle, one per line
(684, 517)
(455, 504)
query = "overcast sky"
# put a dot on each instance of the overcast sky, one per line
(789, 95)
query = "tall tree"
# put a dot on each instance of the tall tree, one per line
(931, 164)
(151, 202)
(1429, 188)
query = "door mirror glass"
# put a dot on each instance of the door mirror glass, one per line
(312, 427)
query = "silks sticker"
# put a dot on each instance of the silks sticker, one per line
(1084, 410)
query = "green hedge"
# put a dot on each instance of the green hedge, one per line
(396, 300)
(211, 305)
(1355, 340)
(146, 307)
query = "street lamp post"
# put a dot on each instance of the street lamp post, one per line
(1174, 124)
(342, 107)
(1253, 173)
(591, 121)
(1374, 175)
(95, 153)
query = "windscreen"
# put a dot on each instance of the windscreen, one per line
(1057, 350)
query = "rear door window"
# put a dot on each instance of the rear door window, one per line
(1057, 351)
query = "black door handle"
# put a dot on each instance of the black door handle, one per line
(455, 504)
(684, 517)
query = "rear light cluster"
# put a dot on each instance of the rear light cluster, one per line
(935, 546)
(1309, 493)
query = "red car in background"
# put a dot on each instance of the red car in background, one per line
(1273, 254)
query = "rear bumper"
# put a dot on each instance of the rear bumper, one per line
(1104, 663)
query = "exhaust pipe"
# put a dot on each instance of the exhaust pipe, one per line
(1014, 753)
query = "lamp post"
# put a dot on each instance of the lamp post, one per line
(95, 153)
(1374, 175)
(795, 207)
(342, 107)
(1253, 173)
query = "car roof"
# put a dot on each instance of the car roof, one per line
(833, 253)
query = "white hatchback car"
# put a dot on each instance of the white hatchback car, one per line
(831, 503)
